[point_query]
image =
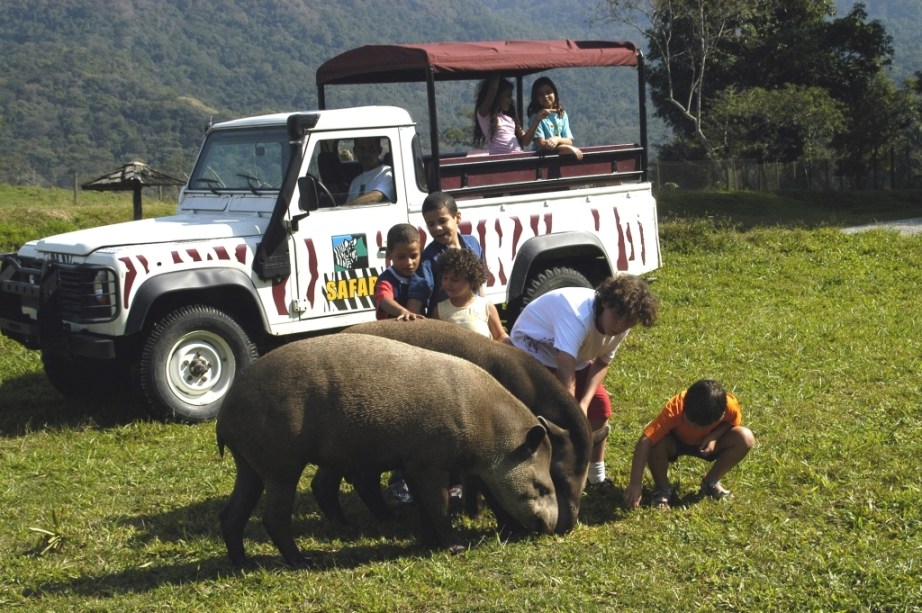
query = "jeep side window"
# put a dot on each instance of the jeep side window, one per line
(356, 171)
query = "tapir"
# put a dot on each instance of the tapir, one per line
(357, 402)
(528, 380)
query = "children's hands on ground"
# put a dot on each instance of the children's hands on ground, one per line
(632, 496)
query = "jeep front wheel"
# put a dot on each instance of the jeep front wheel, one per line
(190, 360)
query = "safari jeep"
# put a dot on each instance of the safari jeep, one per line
(262, 249)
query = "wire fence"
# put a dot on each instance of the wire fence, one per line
(752, 175)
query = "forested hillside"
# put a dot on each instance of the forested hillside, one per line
(88, 85)
(902, 19)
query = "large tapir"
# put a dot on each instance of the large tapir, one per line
(527, 379)
(357, 402)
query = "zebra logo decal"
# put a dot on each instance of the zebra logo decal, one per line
(350, 251)
(352, 284)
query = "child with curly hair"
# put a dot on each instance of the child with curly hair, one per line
(463, 274)
(575, 332)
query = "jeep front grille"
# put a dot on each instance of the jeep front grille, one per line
(87, 294)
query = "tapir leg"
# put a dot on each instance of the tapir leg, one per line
(430, 489)
(367, 484)
(280, 503)
(325, 486)
(248, 488)
(473, 486)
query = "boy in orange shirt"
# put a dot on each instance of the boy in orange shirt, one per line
(703, 421)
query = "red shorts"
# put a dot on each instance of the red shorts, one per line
(600, 405)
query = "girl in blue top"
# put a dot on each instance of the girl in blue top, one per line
(549, 120)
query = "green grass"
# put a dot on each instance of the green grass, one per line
(816, 331)
(27, 213)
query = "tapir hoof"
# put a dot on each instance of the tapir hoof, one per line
(240, 561)
(298, 561)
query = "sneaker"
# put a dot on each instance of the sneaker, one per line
(602, 487)
(661, 498)
(400, 492)
(714, 490)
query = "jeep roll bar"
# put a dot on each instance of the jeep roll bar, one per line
(464, 61)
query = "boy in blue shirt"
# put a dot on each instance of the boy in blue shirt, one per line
(392, 289)
(440, 211)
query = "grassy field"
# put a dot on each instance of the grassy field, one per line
(816, 332)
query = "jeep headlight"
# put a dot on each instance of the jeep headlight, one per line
(103, 287)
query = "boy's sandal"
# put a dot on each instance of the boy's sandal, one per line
(661, 498)
(714, 490)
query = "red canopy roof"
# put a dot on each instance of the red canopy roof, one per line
(471, 60)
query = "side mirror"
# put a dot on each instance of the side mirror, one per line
(308, 199)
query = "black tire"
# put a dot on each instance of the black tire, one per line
(190, 360)
(551, 279)
(86, 378)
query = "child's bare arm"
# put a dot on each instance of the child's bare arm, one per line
(566, 372)
(497, 331)
(709, 445)
(529, 135)
(394, 309)
(638, 463)
(597, 371)
(414, 305)
(486, 107)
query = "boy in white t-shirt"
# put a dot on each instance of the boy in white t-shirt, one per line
(575, 332)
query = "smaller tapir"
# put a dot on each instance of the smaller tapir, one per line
(528, 380)
(358, 403)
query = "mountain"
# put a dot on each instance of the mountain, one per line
(88, 85)
(901, 18)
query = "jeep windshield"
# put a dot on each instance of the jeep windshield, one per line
(245, 159)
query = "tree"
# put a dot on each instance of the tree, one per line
(739, 59)
(686, 37)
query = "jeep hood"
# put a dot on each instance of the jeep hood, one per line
(176, 229)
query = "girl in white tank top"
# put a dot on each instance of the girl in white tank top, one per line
(463, 274)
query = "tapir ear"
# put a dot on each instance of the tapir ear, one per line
(553, 430)
(536, 435)
(600, 435)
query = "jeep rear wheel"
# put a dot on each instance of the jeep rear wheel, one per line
(190, 360)
(551, 279)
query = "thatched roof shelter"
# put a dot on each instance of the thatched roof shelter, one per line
(132, 176)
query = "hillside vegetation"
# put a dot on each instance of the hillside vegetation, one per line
(88, 85)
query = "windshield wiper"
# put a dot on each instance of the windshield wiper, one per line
(254, 183)
(211, 184)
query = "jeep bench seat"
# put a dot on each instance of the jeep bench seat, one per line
(480, 175)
